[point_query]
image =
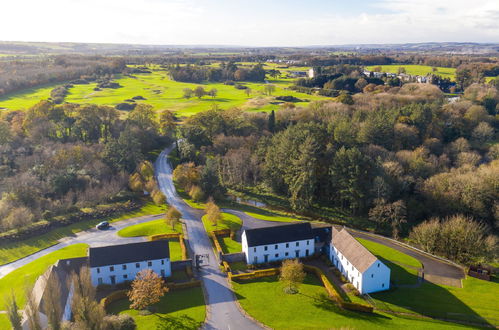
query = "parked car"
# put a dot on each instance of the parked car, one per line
(102, 225)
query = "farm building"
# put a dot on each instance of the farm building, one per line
(286, 241)
(120, 263)
(366, 272)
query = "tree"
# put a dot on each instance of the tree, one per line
(213, 92)
(345, 98)
(199, 92)
(52, 301)
(167, 123)
(87, 312)
(401, 69)
(31, 311)
(212, 211)
(269, 89)
(147, 289)
(196, 193)
(172, 216)
(292, 275)
(13, 314)
(248, 91)
(391, 213)
(5, 133)
(271, 123)
(187, 93)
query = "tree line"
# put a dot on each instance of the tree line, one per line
(225, 72)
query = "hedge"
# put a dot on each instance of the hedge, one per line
(114, 296)
(164, 236)
(226, 266)
(255, 274)
(185, 255)
(221, 232)
(185, 285)
(214, 238)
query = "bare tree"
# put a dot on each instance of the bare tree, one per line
(87, 312)
(172, 217)
(31, 311)
(52, 300)
(13, 314)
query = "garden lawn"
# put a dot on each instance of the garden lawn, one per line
(154, 227)
(404, 268)
(420, 70)
(229, 245)
(175, 249)
(476, 301)
(26, 276)
(12, 251)
(265, 300)
(4, 321)
(181, 309)
(228, 221)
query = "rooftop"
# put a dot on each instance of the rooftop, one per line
(127, 253)
(353, 250)
(279, 234)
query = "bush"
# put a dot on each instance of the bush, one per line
(126, 106)
(196, 194)
(119, 322)
(288, 98)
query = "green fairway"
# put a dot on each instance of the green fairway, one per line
(182, 309)
(475, 302)
(265, 300)
(26, 98)
(228, 221)
(25, 276)
(419, 70)
(404, 268)
(13, 251)
(154, 227)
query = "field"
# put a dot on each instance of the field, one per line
(312, 309)
(163, 93)
(404, 268)
(26, 276)
(149, 228)
(228, 221)
(13, 251)
(182, 309)
(420, 70)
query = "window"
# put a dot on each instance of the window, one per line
(383, 285)
(98, 270)
(99, 280)
(276, 246)
(378, 264)
(265, 248)
(124, 267)
(297, 253)
(162, 262)
(308, 242)
(306, 253)
(125, 277)
(352, 267)
(163, 273)
(287, 245)
(255, 260)
(254, 249)
(372, 275)
(111, 269)
(277, 255)
(286, 254)
(297, 243)
(137, 265)
(149, 263)
(348, 263)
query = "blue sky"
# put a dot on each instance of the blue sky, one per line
(250, 23)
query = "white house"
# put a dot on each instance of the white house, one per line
(276, 243)
(366, 272)
(120, 263)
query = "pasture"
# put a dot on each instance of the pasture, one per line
(419, 70)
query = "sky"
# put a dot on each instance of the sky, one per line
(250, 23)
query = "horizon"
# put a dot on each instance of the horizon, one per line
(263, 24)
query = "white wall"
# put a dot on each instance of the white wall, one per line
(121, 275)
(375, 278)
(283, 251)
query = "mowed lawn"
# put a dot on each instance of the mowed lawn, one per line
(420, 70)
(25, 276)
(265, 300)
(228, 221)
(404, 268)
(13, 251)
(154, 227)
(181, 309)
(26, 98)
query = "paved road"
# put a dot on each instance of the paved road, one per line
(223, 312)
(92, 237)
(435, 270)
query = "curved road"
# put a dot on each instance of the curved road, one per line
(223, 313)
(92, 237)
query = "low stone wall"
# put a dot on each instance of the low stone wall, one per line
(181, 264)
(234, 257)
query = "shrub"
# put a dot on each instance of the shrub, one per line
(119, 322)
(196, 193)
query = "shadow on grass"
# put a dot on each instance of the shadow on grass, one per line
(182, 322)
(400, 275)
(429, 300)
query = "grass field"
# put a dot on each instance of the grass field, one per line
(228, 221)
(404, 268)
(265, 300)
(182, 309)
(25, 277)
(163, 93)
(13, 251)
(149, 228)
(229, 245)
(420, 70)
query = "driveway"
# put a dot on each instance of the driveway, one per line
(92, 237)
(435, 270)
(223, 312)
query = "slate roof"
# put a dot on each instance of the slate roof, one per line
(126, 253)
(279, 234)
(322, 232)
(356, 253)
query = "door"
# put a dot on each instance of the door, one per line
(255, 260)
(266, 258)
(113, 279)
(297, 253)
